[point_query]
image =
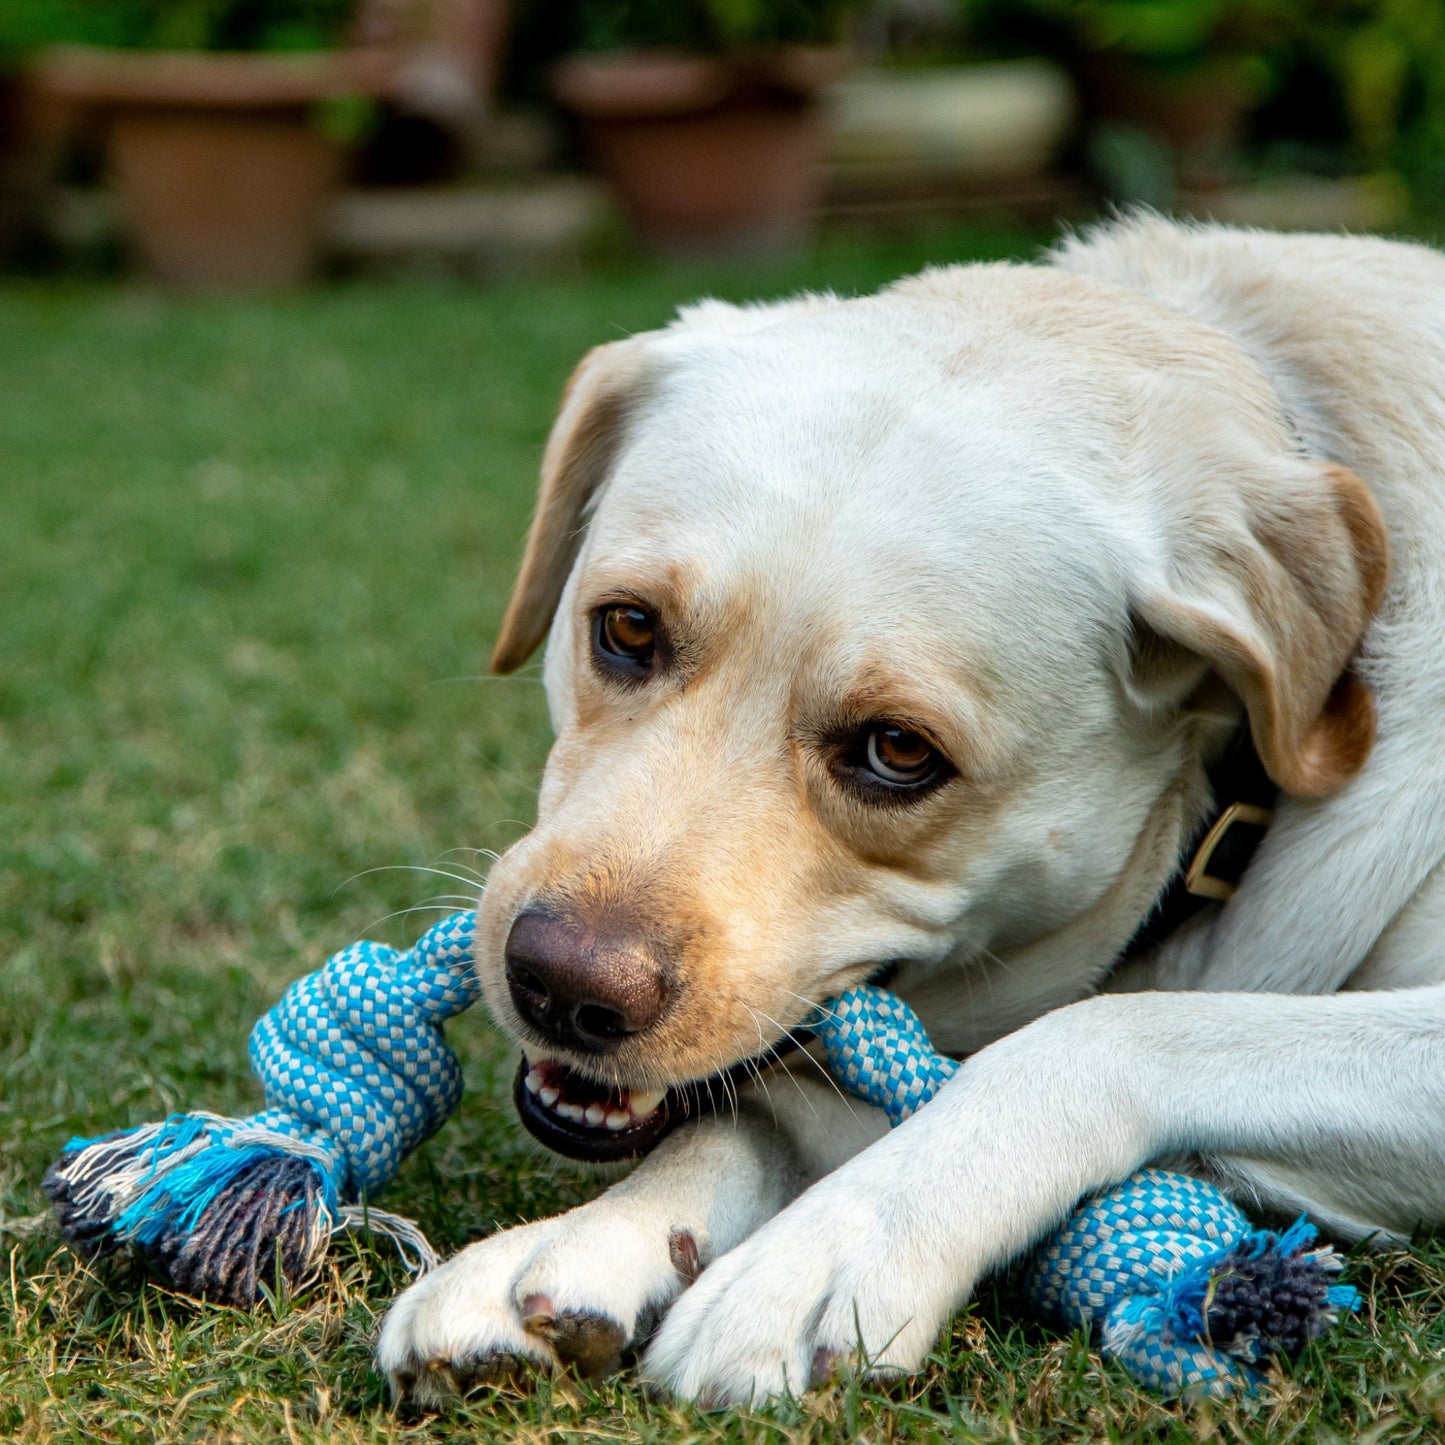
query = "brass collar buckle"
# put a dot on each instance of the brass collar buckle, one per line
(1199, 880)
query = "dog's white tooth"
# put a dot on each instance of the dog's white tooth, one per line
(618, 1119)
(644, 1104)
(595, 1115)
(573, 1112)
(548, 1095)
(532, 1082)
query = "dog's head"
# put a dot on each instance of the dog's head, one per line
(894, 630)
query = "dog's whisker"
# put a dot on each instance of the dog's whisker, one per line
(759, 1077)
(429, 907)
(810, 1005)
(510, 823)
(756, 1069)
(988, 956)
(451, 899)
(832, 1082)
(409, 868)
(787, 1033)
(466, 868)
(721, 1072)
(463, 878)
(803, 1094)
(488, 853)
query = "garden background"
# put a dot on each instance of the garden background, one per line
(255, 542)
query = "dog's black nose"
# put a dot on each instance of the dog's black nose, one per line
(586, 991)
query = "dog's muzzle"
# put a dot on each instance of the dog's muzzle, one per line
(584, 1119)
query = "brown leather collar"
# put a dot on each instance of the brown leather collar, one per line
(1220, 849)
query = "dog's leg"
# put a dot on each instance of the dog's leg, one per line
(583, 1287)
(1341, 1095)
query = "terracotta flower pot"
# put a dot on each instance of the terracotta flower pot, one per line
(717, 153)
(223, 177)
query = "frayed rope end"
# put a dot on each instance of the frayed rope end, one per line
(1209, 1328)
(221, 1208)
(1269, 1294)
(222, 1214)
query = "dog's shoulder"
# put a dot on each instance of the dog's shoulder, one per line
(1317, 298)
(1177, 260)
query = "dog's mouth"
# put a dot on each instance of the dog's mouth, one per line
(584, 1119)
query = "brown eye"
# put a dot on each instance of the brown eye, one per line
(626, 636)
(900, 757)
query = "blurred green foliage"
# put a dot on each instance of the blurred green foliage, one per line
(1356, 83)
(1159, 31)
(1384, 61)
(696, 25)
(174, 24)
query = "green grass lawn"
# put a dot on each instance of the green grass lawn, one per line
(252, 556)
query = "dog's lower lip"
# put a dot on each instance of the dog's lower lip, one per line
(604, 1130)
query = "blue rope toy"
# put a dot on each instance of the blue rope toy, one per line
(1163, 1269)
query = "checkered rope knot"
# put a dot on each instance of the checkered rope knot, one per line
(877, 1049)
(1164, 1269)
(356, 1072)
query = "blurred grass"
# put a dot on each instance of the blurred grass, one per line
(252, 555)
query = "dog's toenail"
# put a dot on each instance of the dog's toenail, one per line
(825, 1368)
(683, 1252)
(438, 1383)
(485, 1371)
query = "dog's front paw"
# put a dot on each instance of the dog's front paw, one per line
(577, 1290)
(836, 1280)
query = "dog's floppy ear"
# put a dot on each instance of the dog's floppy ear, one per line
(1273, 587)
(580, 451)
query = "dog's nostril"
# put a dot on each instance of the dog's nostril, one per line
(597, 1021)
(530, 996)
(526, 981)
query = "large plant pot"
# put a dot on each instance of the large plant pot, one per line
(223, 174)
(706, 153)
(996, 119)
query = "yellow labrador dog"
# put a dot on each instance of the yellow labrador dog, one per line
(926, 634)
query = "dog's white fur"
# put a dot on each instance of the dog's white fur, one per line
(1047, 509)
